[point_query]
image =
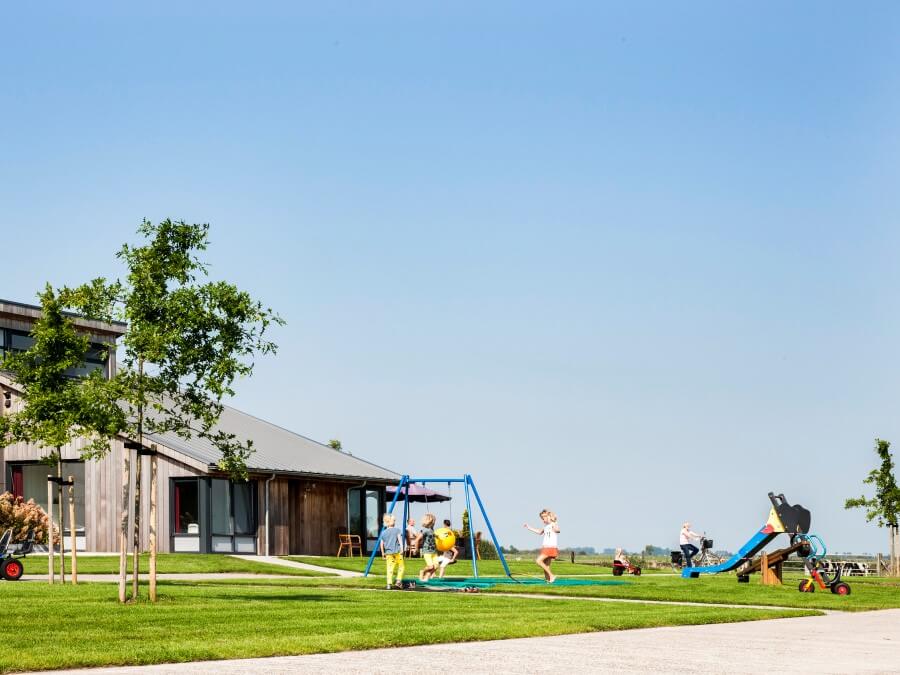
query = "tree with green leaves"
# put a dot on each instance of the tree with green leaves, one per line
(187, 341)
(884, 507)
(59, 407)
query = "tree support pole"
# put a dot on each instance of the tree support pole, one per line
(51, 556)
(123, 526)
(71, 481)
(62, 520)
(153, 523)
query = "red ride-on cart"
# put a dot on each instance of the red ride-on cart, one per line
(621, 565)
(11, 567)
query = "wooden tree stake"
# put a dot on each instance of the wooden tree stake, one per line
(50, 553)
(71, 480)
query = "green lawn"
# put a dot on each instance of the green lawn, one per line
(868, 593)
(169, 563)
(213, 621)
(485, 567)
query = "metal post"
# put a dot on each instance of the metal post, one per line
(403, 481)
(487, 522)
(405, 519)
(472, 551)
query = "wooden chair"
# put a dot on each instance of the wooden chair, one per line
(350, 541)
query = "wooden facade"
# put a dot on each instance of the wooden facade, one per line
(305, 513)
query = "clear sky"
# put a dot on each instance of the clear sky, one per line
(635, 262)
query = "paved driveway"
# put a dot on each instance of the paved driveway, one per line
(863, 642)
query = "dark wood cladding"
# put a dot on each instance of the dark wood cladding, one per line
(305, 515)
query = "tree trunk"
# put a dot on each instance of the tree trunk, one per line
(153, 519)
(62, 519)
(50, 552)
(895, 551)
(123, 525)
(71, 479)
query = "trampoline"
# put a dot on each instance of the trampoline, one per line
(490, 582)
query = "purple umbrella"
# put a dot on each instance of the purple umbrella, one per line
(419, 493)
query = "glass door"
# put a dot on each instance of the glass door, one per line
(365, 508)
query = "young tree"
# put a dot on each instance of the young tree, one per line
(884, 507)
(58, 406)
(186, 343)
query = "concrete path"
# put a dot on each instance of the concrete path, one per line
(272, 560)
(863, 642)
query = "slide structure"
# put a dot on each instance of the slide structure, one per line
(783, 519)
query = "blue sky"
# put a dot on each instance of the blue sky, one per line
(634, 262)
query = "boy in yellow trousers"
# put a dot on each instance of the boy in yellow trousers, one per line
(392, 550)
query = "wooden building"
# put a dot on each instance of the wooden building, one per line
(301, 494)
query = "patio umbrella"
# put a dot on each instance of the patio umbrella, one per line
(419, 493)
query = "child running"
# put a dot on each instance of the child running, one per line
(427, 546)
(392, 549)
(549, 545)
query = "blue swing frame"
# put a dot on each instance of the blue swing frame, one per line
(468, 484)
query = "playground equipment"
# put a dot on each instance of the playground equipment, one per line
(444, 539)
(784, 518)
(817, 573)
(770, 564)
(470, 489)
(11, 567)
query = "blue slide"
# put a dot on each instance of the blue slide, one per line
(748, 550)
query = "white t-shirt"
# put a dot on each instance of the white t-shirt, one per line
(686, 536)
(550, 536)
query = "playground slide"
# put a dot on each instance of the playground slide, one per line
(748, 550)
(783, 518)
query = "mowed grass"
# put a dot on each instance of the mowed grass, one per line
(868, 593)
(168, 563)
(488, 568)
(48, 627)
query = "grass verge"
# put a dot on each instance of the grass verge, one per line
(201, 622)
(169, 563)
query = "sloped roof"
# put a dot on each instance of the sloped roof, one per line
(277, 450)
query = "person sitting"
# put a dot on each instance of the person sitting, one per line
(684, 541)
(412, 545)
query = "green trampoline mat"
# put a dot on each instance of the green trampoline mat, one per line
(488, 582)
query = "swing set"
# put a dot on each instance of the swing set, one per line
(469, 487)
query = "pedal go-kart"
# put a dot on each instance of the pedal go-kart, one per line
(817, 574)
(11, 567)
(619, 568)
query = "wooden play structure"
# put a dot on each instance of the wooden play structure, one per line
(770, 565)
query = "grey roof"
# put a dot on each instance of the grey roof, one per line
(277, 450)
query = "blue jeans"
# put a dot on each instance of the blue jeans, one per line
(689, 551)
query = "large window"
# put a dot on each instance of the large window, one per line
(29, 481)
(20, 341)
(233, 517)
(213, 514)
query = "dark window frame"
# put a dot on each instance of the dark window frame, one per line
(205, 516)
